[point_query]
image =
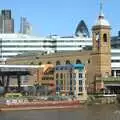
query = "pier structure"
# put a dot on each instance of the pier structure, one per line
(9, 72)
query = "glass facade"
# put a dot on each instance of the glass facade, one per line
(82, 30)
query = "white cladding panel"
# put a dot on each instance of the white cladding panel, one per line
(13, 44)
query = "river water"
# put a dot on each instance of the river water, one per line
(94, 112)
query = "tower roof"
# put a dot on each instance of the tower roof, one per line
(101, 19)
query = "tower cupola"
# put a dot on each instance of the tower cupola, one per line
(101, 55)
(101, 19)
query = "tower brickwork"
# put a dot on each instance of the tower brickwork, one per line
(100, 65)
(101, 56)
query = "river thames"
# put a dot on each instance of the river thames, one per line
(94, 112)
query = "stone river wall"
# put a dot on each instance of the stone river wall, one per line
(102, 99)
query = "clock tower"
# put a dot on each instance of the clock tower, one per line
(101, 52)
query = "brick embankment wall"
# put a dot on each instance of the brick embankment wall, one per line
(41, 105)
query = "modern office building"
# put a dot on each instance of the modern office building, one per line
(8, 26)
(25, 26)
(82, 30)
(6, 14)
(17, 44)
(1, 24)
(6, 22)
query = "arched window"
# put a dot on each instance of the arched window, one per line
(58, 62)
(67, 61)
(48, 62)
(61, 76)
(31, 63)
(105, 37)
(88, 61)
(57, 75)
(78, 61)
(40, 63)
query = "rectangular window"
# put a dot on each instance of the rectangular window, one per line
(74, 88)
(70, 82)
(112, 72)
(56, 82)
(57, 68)
(70, 75)
(61, 82)
(74, 82)
(61, 87)
(80, 75)
(80, 82)
(117, 72)
(80, 89)
(74, 75)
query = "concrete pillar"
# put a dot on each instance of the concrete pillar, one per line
(7, 83)
(3, 80)
(19, 83)
(114, 73)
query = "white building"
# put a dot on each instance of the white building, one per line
(70, 80)
(17, 44)
(79, 81)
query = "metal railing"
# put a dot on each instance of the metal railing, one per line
(111, 78)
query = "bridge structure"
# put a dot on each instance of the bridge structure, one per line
(7, 71)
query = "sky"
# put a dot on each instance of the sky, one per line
(61, 17)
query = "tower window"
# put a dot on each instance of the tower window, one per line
(97, 36)
(67, 61)
(58, 62)
(88, 61)
(105, 37)
(78, 61)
